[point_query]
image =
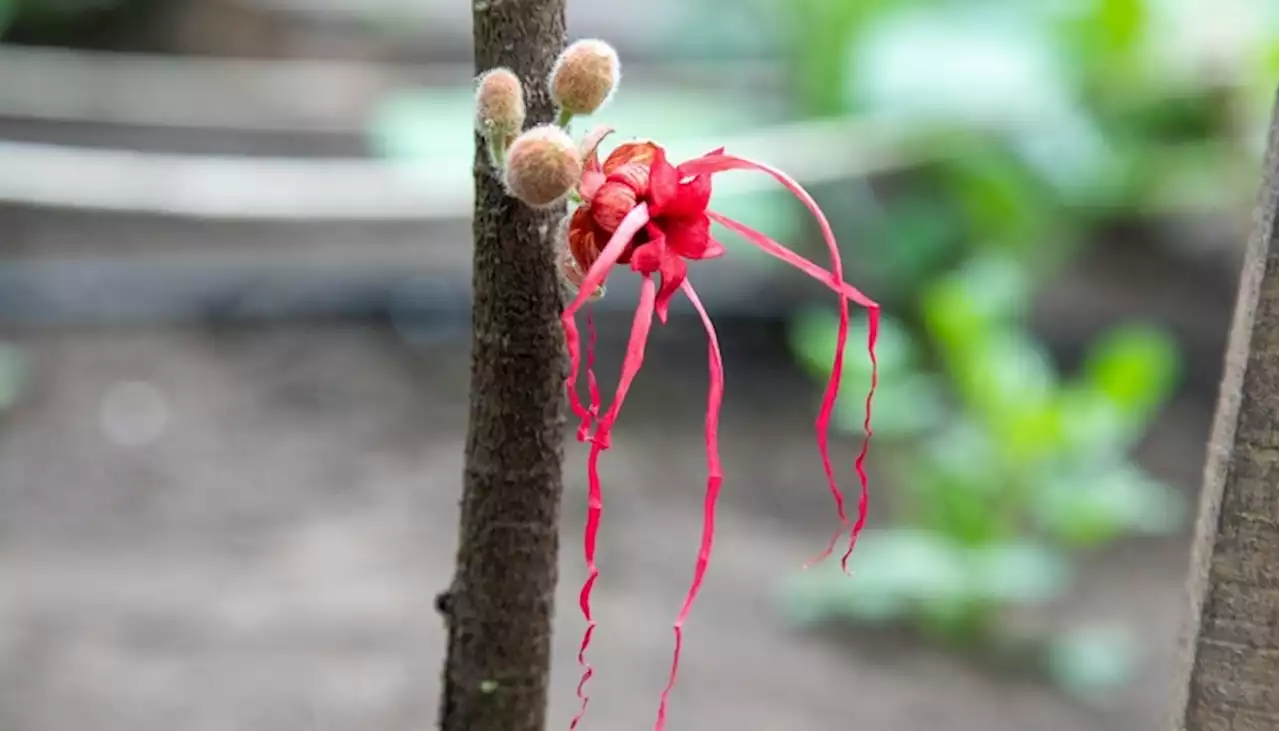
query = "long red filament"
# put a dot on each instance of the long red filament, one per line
(631, 363)
(595, 506)
(846, 291)
(715, 478)
(720, 162)
(860, 464)
(595, 276)
(593, 388)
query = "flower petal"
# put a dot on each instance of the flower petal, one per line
(718, 162)
(691, 198)
(664, 184)
(641, 151)
(647, 258)
(688, 237)
(593, 279)
(583, 242)
(599, 269)
(673, 271)
(685, 169)
(591, 147)
(715, 249)
(590, 185)
(612, 203)
(634, 175)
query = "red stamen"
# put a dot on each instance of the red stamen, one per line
(715, 477)
(593, 388)
(720, 162)
(631, 364)
(594, 277)
(859, 464)
(595, 506)
(573, 346)
(847, 291)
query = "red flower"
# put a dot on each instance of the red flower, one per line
(639, 210)
(679, 228)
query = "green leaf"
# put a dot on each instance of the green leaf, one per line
(1135, 368)
(1009, 381)
(1019, 572)
(906, 401)
(1092, 661)
(955, 483)
(1092, 508)
(916, 235)
(892, 572)
(1091, 428)
(1119, 24)
(986, 292)
(1007, 204)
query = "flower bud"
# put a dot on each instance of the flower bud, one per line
(542, 166)
(584, 76)
(499, 104)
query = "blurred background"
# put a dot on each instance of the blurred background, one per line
(234, 254)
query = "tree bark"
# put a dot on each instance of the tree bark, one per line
(1229, 673)
(499, 608)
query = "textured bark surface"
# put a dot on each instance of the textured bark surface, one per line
(1228, 682)
(499, 607)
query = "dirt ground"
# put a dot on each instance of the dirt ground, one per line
(214, 530)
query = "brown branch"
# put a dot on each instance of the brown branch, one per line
(499, 607)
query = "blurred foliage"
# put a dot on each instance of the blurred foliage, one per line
(1041, 125)
(1004, 469)
(1044, 121)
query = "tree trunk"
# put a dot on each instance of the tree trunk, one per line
(1229, 673)
(499, 607)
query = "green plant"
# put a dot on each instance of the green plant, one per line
(1003, 469)
(1045, 122)
(1039, 125)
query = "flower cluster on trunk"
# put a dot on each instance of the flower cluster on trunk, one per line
(638, 210)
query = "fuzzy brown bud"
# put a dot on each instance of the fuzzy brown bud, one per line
(584, 77)
(542, 166)
(500, 109)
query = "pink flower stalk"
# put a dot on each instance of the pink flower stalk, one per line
(639, 210)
